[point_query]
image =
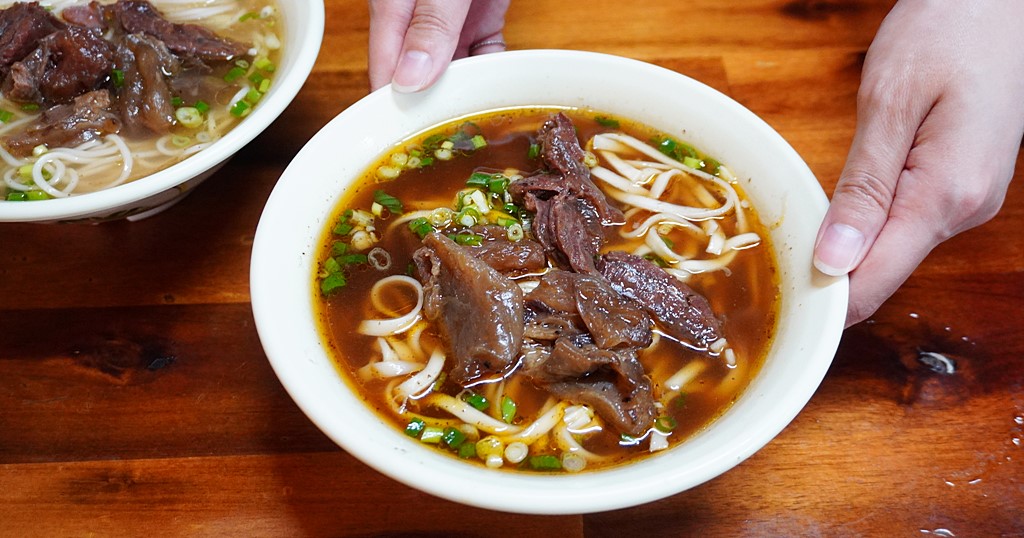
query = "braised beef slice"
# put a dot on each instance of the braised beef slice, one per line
(144, 98)
(91, 15)
(479, 311)
(139, 16)
(561, 152)
(22, 26)
(86, 118)
(613, 382)
(505, 256)
(67, 63)
(566, 303)
(680, 311)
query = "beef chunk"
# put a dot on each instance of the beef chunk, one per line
(91, 15)
(505, 256)
(680, 311)
(86, 118)
(139, 16)
(22, 26)
(561, 152)
(67, 63)
(613, 382)
(144, 98)
(568, 303)
(478, 310)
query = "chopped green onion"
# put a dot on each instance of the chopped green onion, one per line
(628, 440)
(35, 195)
(478, 141)
(234, 74)
(534, 151)
(30, 107)
(332, 282)
(330, 266)
(177, 101)
(415, 427)
(390, 202)
(249, 15)
(478, 179)
(339, 248)
(189, 117)
(17, 196)
(181, 141)
(545, 462)
(467, 450)
(514, 232)
(352, 259)
(264, 64)
(508, 409)
(253, 96)
(420, 226)
(202, 107)
(344, 227)
(656, 260)
(240, 108)
(243, 64)
(256, 78)
(5, 115)
(453, 437)
(432, 435)
(468, 239)
(665, 424)
(692, 162)
(264, 85)
(498, 184)
(117, 77)
(478, 401)
(506, 221)
(668, 242)
(605, 121)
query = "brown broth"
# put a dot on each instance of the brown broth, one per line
(746, 297)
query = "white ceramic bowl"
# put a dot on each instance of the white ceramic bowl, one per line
(813, 306)
(303, 23)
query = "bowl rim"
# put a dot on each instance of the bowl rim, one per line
(306, 50)
(511, 492)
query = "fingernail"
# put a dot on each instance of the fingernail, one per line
(838, 250)
(412, 71)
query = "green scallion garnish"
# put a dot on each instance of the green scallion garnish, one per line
(420, 226)
(248, 16)
(117, 77)
(508, 409)
(30, 107)
(467, 239)
(394, 205)
(415, 427)
(545, 462)
(16, 196)
(605, 121)
(432, 435)
(534, 151)
(240, 108)
(478, 401)
(234, 74)
(479, 179)
(453, 437)
(332, 282)
(5, 115)
(665, 424)
(202, 107)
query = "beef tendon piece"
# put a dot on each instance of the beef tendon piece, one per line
(145, 96)
(22, 27)
(613, 382)
(478, 310)
(67, 63)
(86, 118)
(679, 310)
(139, 16)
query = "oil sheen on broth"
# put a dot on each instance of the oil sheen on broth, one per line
(596, 378)
(94, 95)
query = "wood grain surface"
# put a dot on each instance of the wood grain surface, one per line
(135, 399)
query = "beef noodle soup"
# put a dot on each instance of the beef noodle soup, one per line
(507, 296)
(96, 94)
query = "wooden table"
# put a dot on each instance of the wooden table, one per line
(135, 399)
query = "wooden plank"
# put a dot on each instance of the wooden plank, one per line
(317, 494)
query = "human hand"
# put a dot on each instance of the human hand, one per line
(940, 116)
(412, 41)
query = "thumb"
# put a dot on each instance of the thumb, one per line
(866, 188)
(430, 43)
